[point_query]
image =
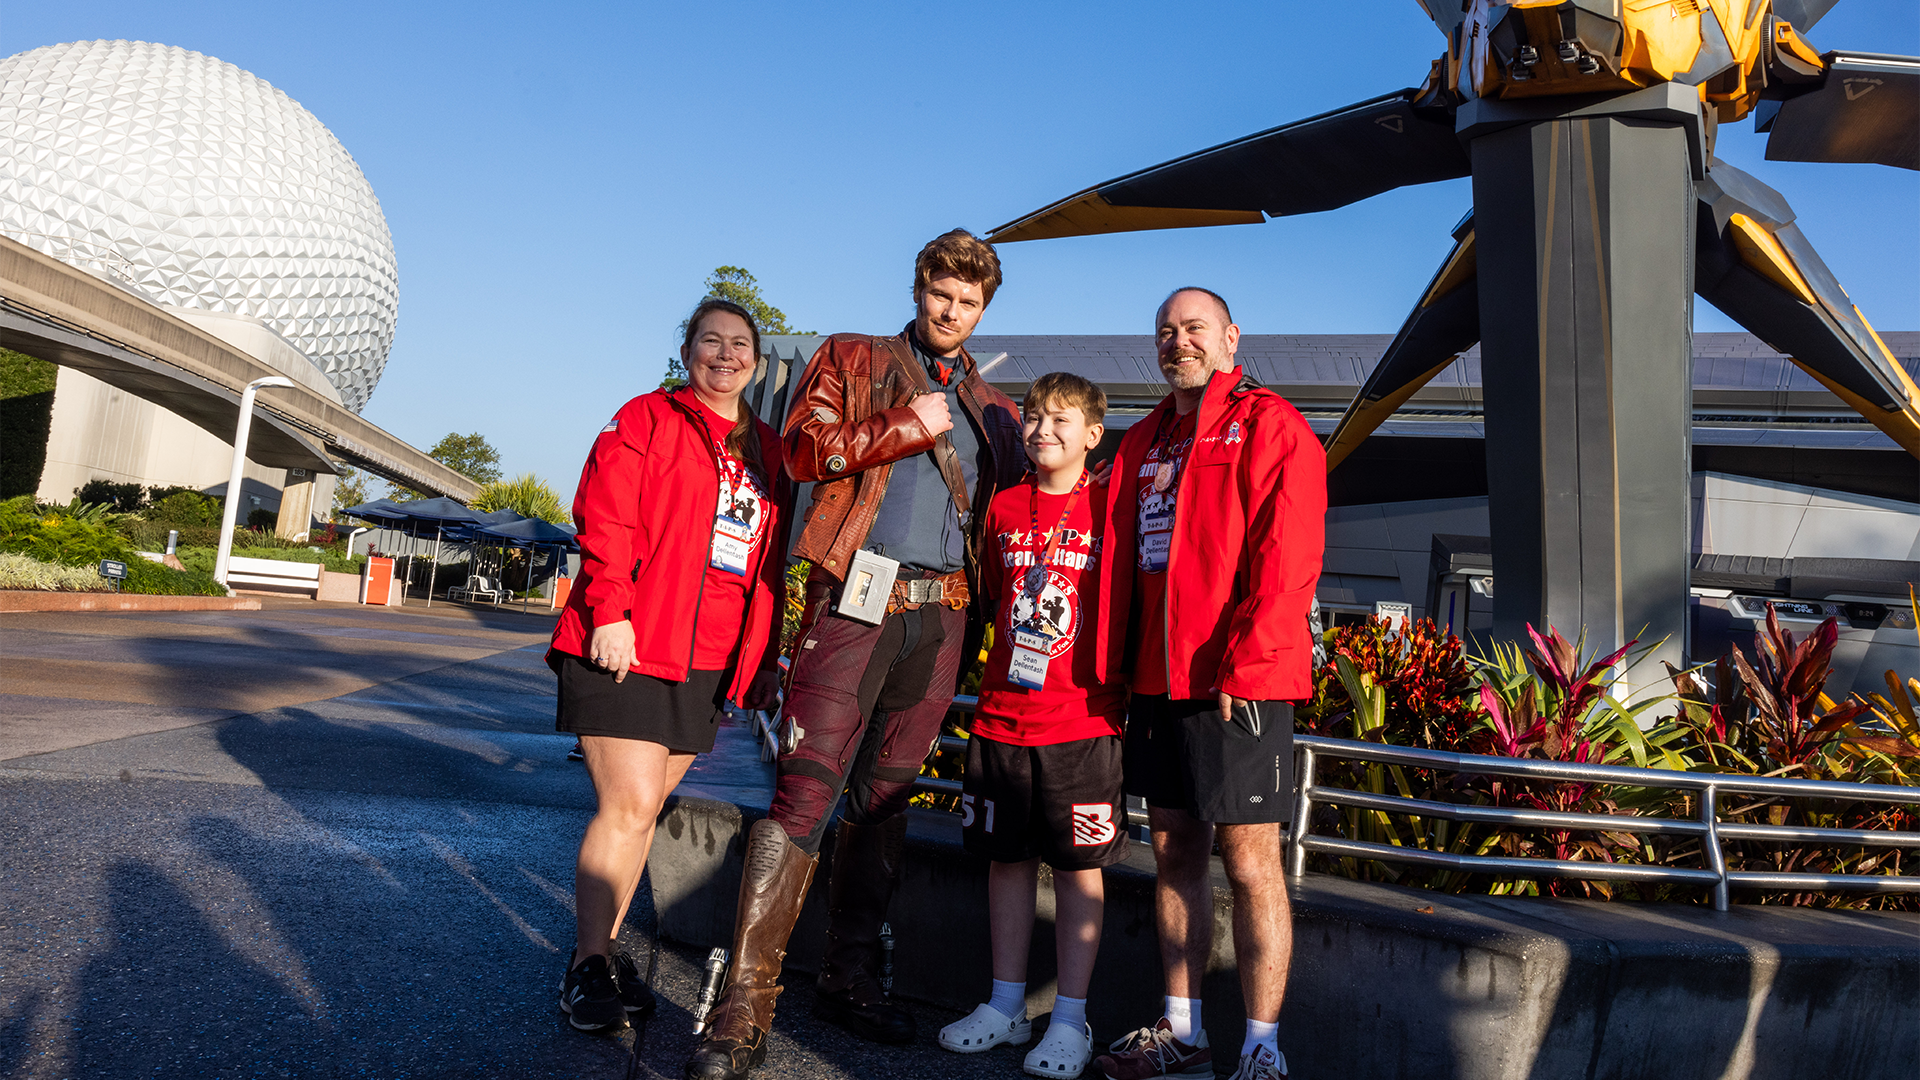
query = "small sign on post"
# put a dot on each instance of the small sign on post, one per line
(1396, 614)
(115, 572)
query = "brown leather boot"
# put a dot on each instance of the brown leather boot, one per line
(866, 869)
(772, 888)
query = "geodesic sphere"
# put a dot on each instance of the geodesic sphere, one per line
(204, 187)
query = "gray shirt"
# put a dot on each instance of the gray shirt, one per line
(918, 525)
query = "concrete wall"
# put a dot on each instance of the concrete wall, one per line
(100, 432)
(1394, 983)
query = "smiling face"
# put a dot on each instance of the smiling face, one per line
(720, 359)
(1058, 436)
(949, 309)
(1194, 339)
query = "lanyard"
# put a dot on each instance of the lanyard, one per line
(1037, 580)
(1166, 473)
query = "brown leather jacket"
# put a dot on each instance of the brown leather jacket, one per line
(850, 422)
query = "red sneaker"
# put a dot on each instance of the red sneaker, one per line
(1154, 1052)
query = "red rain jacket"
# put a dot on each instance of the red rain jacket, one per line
(1249, 528)
(645, 511)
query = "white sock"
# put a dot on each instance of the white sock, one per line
(1010, 999)
(1071, 1012)
(1258, 1035)
(1184, 1015)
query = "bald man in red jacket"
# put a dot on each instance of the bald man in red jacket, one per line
(1218, 525)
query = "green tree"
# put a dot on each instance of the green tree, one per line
(736, 284)
(526, 495)
(349, 489)
(469, 455)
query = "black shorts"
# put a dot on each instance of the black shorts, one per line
(1059, 802)
(683, 716)
(1181, 756)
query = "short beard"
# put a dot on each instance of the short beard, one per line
(1194, 381)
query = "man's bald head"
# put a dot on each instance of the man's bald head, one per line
(1226, 315)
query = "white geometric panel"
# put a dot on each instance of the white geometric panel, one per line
(204, 187)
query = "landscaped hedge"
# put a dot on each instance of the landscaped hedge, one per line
(26, 419)
(82, 537)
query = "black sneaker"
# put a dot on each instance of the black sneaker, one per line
(635, 994)
(591, 998)
(578, 753)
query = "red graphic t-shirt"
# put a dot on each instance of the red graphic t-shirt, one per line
(740, 524)
(1070, 704)
(1160, 476)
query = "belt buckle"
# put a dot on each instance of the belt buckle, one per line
(925, 591)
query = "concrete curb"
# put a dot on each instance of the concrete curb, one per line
(1392, 982)
(24, 600)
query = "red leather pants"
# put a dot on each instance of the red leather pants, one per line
(868, 701)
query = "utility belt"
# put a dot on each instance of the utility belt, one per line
(948, 590)
(877, 586)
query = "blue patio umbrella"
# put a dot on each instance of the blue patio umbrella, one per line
(439, 513)
(533, 533)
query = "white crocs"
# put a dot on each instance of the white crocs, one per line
(985, 1028)
(1063, 1052)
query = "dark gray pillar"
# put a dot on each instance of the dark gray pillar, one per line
(1585, 236)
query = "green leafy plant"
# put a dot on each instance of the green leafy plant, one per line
(526, 495)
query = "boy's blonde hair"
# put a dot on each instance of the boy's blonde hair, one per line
(1066, 388)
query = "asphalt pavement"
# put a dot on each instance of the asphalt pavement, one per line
(322, 840)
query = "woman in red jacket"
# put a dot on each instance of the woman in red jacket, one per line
(682, 553)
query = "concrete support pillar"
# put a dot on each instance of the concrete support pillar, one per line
(1585, 236)
(296, 506)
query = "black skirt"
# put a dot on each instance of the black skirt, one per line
(682, 716)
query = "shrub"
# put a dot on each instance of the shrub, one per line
(25, 572)
(187, 507)
(152, 535)
(153, 579)
(125, 498)
(262, 519)
(71, 536)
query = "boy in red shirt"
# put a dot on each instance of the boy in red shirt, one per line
(1043, 774)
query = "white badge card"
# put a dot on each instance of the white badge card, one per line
(1154, 545)
(732, 543)
(869, 584)
(1028, 665)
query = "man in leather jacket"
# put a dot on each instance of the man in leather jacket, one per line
(906, 445)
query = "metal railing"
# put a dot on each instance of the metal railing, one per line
(1309, 749)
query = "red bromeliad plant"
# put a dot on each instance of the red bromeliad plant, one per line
(1791, 720)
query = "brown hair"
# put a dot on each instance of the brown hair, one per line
(1068, 389)
(742, 441)
(961, 254)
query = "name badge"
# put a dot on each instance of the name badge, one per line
(732, 544)
(1153, 550)
(1028, 665)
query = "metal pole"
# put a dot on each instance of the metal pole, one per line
(229, 512)
(433, 568)
(1302, 811)
(1716, 859)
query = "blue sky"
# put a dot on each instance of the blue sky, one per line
(559, 178)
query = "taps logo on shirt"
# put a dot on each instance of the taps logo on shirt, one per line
(1054, 613)
(741, 496)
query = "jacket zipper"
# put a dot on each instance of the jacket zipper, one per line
(700, 594)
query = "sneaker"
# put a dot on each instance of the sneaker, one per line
(1154, 1052)
(983, 1029)
(1063, 1052)
(591, 998)
(578, 753)
(1262, 1064)
(635, 995)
